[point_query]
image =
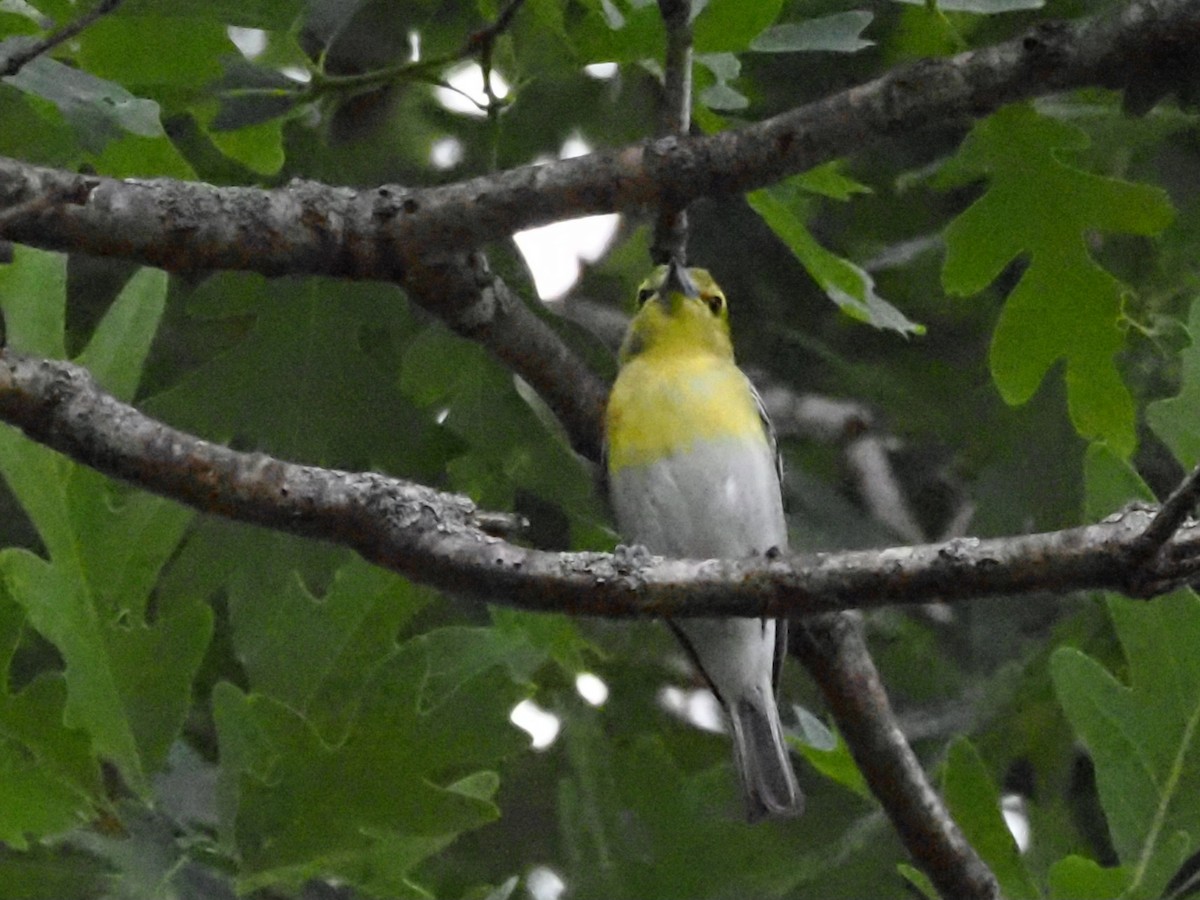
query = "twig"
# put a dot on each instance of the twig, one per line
(1171, 515)
(671, 228)
(867, 457)
(21, 58)
(485, 37)
(478, 42)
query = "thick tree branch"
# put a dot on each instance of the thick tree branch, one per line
(376, 233)
(440, 538)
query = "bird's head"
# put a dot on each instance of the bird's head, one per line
(679, 310)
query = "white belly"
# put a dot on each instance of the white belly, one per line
(721, 499)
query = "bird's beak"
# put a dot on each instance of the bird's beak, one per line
(678, 281)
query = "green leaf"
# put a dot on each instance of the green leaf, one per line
(837, 33)
(828, 754)
(829, 180)
(300, 383)
(1142, 738)
(248, 95)
(35, 130)
(129, 49)
(723, 97)
(724, 68)
(1112, 483)
(37, 478)
(118, 348)
(57, 873)
(121, 538)
(925, 32)
(257, 147)
(919, 881)
(49, 780)
(100, 110)
(114, 541)
(128, 685)
(1065, 305)
(619, 31)
(557, 637)
(19, 21)
(730, 25)
(316, 654)
(135, 156)
(1177, 420)
(975, 804)
(277, 15)
(669, 832)
(847, 285)
(120, 544)
(510, 448)
(33, 299)
(370, 807)
(1078, 878)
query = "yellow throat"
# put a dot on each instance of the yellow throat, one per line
(678, 383)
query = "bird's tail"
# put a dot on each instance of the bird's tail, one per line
(761, 758)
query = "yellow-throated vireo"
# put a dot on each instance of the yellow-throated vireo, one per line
(693, 472)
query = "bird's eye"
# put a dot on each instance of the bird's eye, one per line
(643, 295)
(715, 302)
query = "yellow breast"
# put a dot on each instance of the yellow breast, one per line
(663, 403)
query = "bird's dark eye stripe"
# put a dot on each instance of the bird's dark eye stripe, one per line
(643, 295)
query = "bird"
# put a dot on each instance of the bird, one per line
(693, 472)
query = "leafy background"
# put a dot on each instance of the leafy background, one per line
(191, 708)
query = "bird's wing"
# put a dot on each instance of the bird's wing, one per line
(781, 625)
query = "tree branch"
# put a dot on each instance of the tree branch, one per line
(675, 118)
(184, 226)
(463, 292)
(316, 229)
(836, 656)
(441, 539)
(1174, 512)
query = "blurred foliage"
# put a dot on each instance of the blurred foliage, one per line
(190, 708)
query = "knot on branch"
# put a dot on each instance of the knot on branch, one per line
(1048, 44)
(671, 163)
